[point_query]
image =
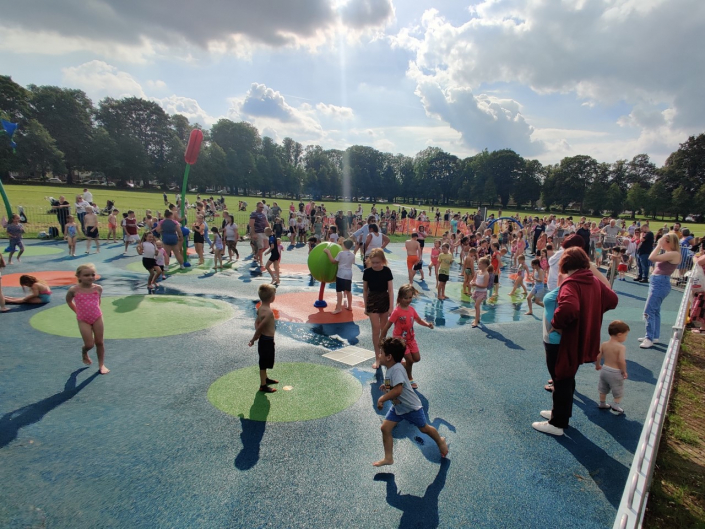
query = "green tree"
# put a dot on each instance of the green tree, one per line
(527, 186)
(658, 200)
(641, 171)
(38, 150)
(438, 171)
(615, 199)
(637, 199)
(686, 166)
(67, 114)
(575, 175)
(682, 202)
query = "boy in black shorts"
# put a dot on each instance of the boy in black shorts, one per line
(265, 326)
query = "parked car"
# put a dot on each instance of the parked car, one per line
(111, 184)
(94, 183)
(55, 180)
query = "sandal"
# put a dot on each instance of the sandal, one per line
(549, 388)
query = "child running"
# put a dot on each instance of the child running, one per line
(148, 250)
(14, 232)
(435, 252)
(161, 258)
(481, 283)
(265, 327)
(274, 256)
(84, 300)
(403, 318)
(522, 270)
(538, 289)
(613, 372)
(343, 277)
(90, 223)
(406, 403)
(71, 232)
(445, 259)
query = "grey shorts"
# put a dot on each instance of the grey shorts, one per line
(262, 241)
(611, 380)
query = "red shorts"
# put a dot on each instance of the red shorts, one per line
(622, 267)
(411, 345)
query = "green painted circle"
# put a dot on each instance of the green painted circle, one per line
(317, 391)
(129, 317)
(36, 250)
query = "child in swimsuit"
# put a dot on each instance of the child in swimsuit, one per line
(70, 236)
(112, 225)
(40, 292)
(217, 249)
(435, 252)
(84, 300)
(469, 270)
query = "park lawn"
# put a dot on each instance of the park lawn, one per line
(32, 199)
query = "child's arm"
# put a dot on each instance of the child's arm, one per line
(385, 330)
(424, 323)
(259, 324)
(622, 361)
(330, 257)
(392, 394)
(365, 290)
(69, 299)
(598, 360)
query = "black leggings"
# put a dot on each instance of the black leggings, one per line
(563, 390)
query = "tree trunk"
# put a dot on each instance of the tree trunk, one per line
(69, 175)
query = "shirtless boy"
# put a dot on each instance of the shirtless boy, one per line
(613, 372)
(265, 326)
(413, 256)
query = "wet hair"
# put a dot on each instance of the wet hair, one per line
(81, 268)
(377, 253)
(347, 243)
(167, 214)
(373, 227)
(536, 262)
(395, 347)
(573, 259)
(472, 251)
(618, 327)
(404, 290)
(266, 292)
(414, 235)
(521, 258)
(549, 247)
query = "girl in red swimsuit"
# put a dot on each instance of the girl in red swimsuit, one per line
(84, 300)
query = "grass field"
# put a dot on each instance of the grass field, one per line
(36, 207)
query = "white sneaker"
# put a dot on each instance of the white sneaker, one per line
(616, 408)
(547, 428)
(546, 414)
(655, 340)
(646, 343)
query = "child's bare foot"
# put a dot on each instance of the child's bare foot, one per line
(4, 309)
(103, 370)
(475, 324)
(383, 462)
(86, 360)
(529, 313)
(338, 310)
(443, 447)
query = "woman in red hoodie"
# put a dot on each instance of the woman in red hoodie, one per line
(582, 301)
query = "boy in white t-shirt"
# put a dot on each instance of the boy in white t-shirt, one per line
(343, 278)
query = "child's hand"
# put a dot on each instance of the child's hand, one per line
(430, 324)
(624, 375)
(598, 367)
(380, 403)
(251, 343)
(383, 388)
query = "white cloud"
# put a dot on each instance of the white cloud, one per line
(641, 53)
(156, 84)
(186, 107)
(99, 79)
(334, 111)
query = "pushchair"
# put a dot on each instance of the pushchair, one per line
(108, 209)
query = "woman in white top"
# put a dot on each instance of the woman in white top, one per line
(375, 240)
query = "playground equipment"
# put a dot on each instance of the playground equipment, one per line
(190, 156)
(322, 269)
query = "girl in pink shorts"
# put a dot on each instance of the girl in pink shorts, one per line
(403, 318)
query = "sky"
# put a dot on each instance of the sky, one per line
(546, 78)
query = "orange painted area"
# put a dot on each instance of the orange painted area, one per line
(298, 308)
(53, 278)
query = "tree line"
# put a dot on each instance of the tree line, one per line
(132, 139)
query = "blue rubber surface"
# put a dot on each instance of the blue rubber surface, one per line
(143, 446)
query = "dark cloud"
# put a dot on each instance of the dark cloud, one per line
(272, 22)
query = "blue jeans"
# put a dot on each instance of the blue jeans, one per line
(642, 262)
(659, 288)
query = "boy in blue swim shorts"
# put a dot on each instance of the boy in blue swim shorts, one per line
(407, 405)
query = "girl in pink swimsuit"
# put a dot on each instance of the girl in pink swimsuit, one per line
(84, 300)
